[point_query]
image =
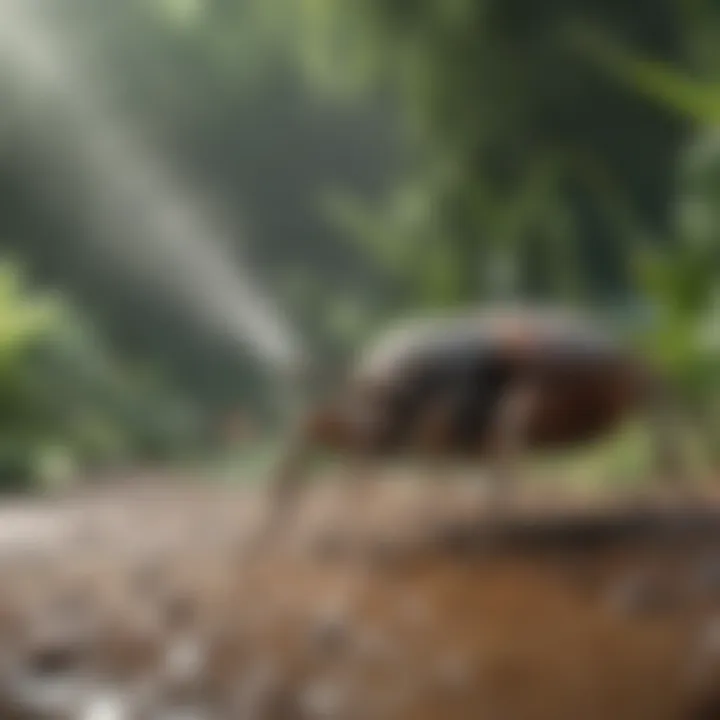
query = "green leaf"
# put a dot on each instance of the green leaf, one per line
(658, 81)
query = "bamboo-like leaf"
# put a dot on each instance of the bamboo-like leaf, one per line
(696, 99)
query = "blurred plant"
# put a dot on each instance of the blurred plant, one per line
(537, 161)
(25, 323)
(65, 403)
(535, 173)
(682, 281)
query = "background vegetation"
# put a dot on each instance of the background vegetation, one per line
(369, 157)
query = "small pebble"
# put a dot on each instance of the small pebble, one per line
(641, 595)
(324, 700)
(185, 661)
(105, 707)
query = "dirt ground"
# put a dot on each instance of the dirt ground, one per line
(398, 600)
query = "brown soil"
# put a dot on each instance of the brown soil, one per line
(398, 601)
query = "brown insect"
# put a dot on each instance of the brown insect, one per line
(486, 385)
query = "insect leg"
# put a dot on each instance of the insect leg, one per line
(511, 425)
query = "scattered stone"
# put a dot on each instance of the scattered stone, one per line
(643, 595)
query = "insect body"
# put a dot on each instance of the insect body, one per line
(484, 385)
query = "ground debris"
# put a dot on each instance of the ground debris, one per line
(434, 610)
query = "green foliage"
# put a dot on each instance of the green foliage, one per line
(681, 286)
(64, 403)
(661, 82)
(536, 173)
(25, 324)
(540, 150)
(682, 281)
